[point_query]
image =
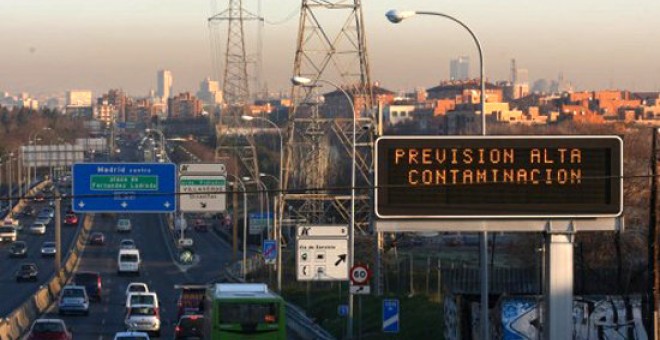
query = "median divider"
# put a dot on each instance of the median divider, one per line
(18, 322)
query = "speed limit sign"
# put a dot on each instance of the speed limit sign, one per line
(360, 275)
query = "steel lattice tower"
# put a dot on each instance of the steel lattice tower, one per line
(339, 54)
(235, 87)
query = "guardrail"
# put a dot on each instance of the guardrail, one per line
(297, 319)
(19, 321)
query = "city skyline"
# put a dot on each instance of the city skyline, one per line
(596, 45)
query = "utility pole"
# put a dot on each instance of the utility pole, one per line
(58, 232)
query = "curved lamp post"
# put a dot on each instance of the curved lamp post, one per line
(301, 81)
(396, 16)
(279, 196)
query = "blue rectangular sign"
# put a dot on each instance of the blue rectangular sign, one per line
(270, 251)
(342, 310)
(124, 187)
(391, 316)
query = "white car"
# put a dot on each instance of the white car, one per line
(38, 228)
(123, 225)
(136, 287)
(127, 243)
(131, 336)
(144, 318)
(48, 248)
(8, 233)
(128, 260)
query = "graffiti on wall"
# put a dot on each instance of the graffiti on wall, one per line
(604, 317)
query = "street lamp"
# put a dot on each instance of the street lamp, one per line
(261, 208)
(34, 142)
(302, 81)
(396, 16)
(279, 196)
(244, 224)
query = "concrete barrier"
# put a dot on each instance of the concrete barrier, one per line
(19, 321)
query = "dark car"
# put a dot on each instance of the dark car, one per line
(190, 327)
(39, 197)
(27, 211)
(18, 249)
(92, 283)
(27, 272)
(97, 238)
(49, 329)
(201, 225)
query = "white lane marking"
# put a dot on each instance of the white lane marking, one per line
(103, 322)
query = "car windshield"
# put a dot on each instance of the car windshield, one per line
(47, 327)
(18, 245)
(139, 299)
(83, 278)
(142, 311)
(6, 229)
(127, 243)
(128, 258)
(130, 337)
(49, 245)
(27, 267)
(137, 289)
(73, 293)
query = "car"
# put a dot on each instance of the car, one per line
(201, 225)
(48, 248)
(38, 228)
(27, 211)
(18, 249)
(71, 219)
(49, 329)
(128, 260)
(39, 197)
(124, 225)
(97, 238)
(51, 203)
(131, 336)
(43, 219)
(27, 272)
(136, 287)
(50, 212)
(92, 283)
(189, 327)
(73, 299)
(144, 318)
(8, 233)
(127, 243)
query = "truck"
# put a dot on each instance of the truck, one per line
(191, 299)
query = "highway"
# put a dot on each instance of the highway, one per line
(13, 293)
(159, 270)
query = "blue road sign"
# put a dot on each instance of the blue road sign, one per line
(124, 187)
(270, 251)
(342, 310)
(391, 316)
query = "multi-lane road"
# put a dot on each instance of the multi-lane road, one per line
(13, 293)
(159, 271)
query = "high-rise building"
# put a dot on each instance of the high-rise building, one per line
(459, 68)
(209, 92)
(79, 103)
(164, 84)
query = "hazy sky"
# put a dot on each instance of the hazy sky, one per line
(55, 45)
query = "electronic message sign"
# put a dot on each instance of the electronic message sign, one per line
(424, 177)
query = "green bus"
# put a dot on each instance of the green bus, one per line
(243, 311)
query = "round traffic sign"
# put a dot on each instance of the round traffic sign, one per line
(360, 274)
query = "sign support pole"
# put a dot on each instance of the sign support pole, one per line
(58, 232)
(559, 286)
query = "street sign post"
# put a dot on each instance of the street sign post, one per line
(270, 251)
(322, 253)
(202, 187)
(391, 316)
(258, 222)
(360, 276)
(124, 187)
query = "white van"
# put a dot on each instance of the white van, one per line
(128, 261)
